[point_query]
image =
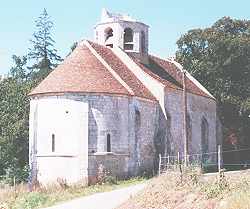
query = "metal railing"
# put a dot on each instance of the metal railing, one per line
(203, 160)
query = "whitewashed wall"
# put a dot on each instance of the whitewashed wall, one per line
(68, 120)
(118, 33)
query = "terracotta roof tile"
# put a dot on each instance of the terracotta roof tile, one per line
(122, 70)
(83, 71)
(177, 75)
(80, 72)
(152, 72)
(167, 73)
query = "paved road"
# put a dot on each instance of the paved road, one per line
(105, 200)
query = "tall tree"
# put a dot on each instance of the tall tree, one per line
(219, 57)
(43, 53)
(14, 101)
(19, 68)
(14, 112)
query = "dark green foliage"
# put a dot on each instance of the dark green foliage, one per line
(14, 101)
(14, 115)
(219, 57)
(16, 174)
(42, 53)
(31, 200)
(18, 71)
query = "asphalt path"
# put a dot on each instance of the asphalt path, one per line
(105, 200)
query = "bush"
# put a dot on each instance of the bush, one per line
(194, 177)
(31, 200)
(110, 180)
(104, 176)
(19, 174)
(216, 188)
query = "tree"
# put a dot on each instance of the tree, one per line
(18, 70)
(219, 57)
(14, 100)
(42, 53)
(14, 113)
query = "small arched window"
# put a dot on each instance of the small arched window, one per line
(137, 126)
(108, 143)
(143, 42)
(189, 133)
(109, 37)
(128, 39)
(53, 143)
(169, 148)
(137, 118)
(204, 139)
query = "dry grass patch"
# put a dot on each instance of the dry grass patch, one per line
(194, 191)
(53, 194)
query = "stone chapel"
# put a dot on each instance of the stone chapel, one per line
(114, 104)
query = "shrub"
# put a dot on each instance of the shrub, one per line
(104, 176)
(31, 200)
(194, 177)
(110, 180)
(214, 189)
(19, 174)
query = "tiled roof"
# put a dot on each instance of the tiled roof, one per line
(122, 70)
(80, 72)
(156, 72)
(173, 71)
(93, 68)
(167, 73)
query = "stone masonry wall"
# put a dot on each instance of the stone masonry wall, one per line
(130, 122)
(138, 130)
(198, 108)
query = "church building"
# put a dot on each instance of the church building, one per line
(113, 104)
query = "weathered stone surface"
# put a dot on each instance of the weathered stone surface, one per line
(106, 107)
(138, 129)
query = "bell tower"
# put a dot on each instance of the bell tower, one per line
(122, 31)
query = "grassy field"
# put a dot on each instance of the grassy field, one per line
(43, 197)
(194, 191)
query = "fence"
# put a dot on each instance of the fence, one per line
(210, 161)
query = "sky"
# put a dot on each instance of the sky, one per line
(74, 20)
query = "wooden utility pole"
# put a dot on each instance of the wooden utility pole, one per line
(159, 171)
(219, 158)
(185, 137)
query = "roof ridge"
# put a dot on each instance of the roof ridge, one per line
(151, 83)
(196, 82)
(113, 73)
(81, 72)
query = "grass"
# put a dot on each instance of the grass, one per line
(44, 197)
(194, 190)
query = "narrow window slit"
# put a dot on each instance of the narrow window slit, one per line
(53, 143)
(108, 143)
